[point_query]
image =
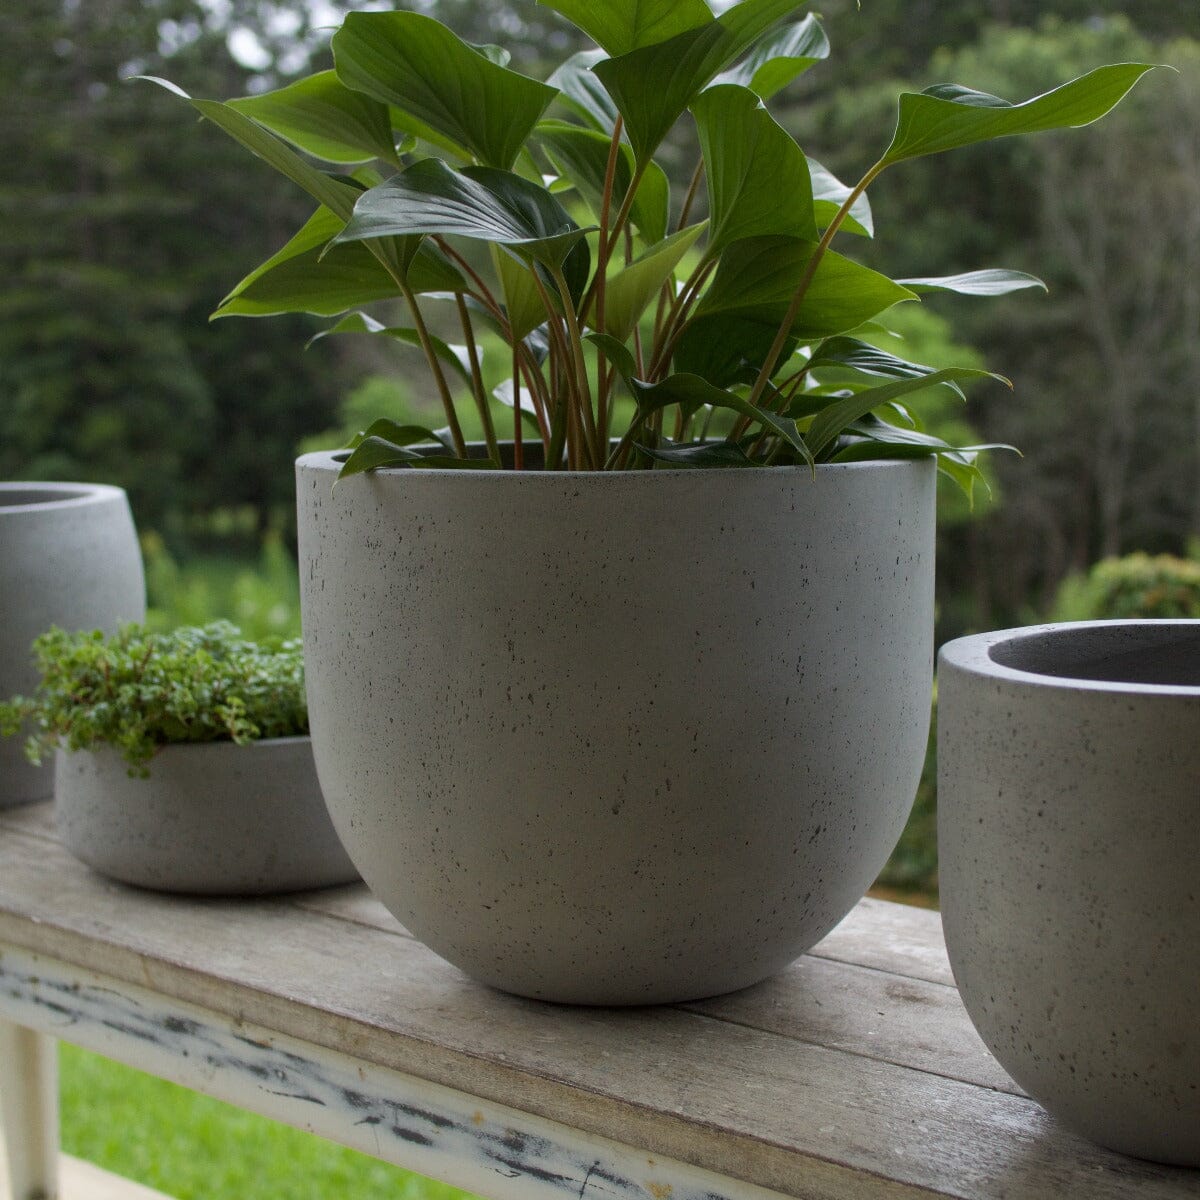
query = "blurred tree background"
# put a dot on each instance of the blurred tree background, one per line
(124, 225)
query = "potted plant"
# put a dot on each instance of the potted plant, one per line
(68, 556)
(631, 708)
(182, 759)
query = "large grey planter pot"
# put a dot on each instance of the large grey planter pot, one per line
(1069, 836)
(618, 738)
(68, 557)
(213, 818)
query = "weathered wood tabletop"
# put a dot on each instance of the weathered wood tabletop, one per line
(854, 1074)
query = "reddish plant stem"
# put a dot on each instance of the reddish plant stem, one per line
(518, 443)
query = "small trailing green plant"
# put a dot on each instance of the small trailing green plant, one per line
(138, 691)
(734, 335)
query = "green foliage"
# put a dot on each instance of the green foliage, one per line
(1109, 361)
(260, 596)
(139, 690)
(913, 865)
(1138, 585)
(110, 263)
(193, 1147)
(590, 288)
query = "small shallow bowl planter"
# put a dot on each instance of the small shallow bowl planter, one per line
(212, 817)
(69, 557)
(618, 738)
(1069, 837)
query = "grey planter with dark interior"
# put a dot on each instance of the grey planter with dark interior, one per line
(1069, 838)
(69, 557)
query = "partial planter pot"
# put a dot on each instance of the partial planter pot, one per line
(68, 557)
(1069, 839)
(618, 738)
(213, 818)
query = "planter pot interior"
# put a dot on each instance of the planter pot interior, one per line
(1069, 838)
(618, 738)
(69, 557)
(1116, 652)
(213, 818)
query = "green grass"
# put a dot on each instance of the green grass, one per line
(195, 1148)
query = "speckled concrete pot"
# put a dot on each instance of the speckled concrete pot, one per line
(69, 557)
(1069, 835)
(213, 818)
(618, 738)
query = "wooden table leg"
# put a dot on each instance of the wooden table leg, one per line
(29, 1112)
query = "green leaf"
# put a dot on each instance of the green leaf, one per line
(727, 348)
(505, 392)
(852, 354)
(481, 203)
(581, 155)
(651, 86)
(455, 357)
(374, 452)
(326, 119)
(965, 475)
(443, 86)
(884, 440)
(737, 318)
(338, 197)
(583, 91)
(691, 393)
(304, 277)
(522, 301)
(759, 276)
(829, 423)
(623, 25)
(617, 353)
(400, 435)
(308, 283)
(757, 177)
(829, 194)
(775, 62)
(992, 282)
(628, 293)
(699, 455)
(947, 116)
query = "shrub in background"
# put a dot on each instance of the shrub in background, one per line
(261, 597)
(1138, 585)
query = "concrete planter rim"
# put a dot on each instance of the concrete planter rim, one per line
(334, 458)
(977, 654)
(54, 495)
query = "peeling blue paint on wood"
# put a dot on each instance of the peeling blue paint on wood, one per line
(421, 1125)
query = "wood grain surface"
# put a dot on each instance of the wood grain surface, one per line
(855, 1073)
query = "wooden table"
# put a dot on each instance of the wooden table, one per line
(854, 1074)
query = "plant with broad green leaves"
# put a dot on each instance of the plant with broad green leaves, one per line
(538, 209)
(139, 690)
